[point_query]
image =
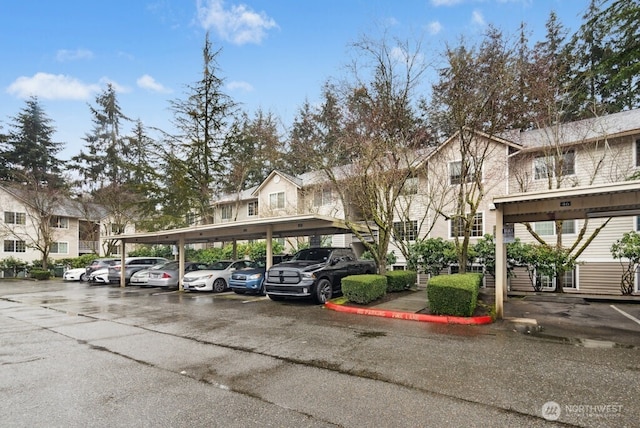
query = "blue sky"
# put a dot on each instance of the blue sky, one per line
(275, 53)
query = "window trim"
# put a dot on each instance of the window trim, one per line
(277, 206)
(252, 205)
(17, 248)
(553, 229)
(57, 243)
(226, 212)
(17, 215)
(482, 232)
(408, 234)
(550, 161)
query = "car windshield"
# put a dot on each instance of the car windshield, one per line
(219, 266)
(314, 254)
(171, 266)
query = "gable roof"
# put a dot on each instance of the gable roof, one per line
(66, 208)
(582, 131)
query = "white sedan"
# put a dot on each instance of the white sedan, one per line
(216, 277)
(76, 274)
(99, 276)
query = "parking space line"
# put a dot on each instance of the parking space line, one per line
(631, 317)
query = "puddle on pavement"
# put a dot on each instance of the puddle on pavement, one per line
(582, 342)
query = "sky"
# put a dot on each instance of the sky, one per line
(273, 54)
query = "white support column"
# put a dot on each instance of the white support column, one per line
(123, 280)
(269, 246)
(501, 264)
(181, 258)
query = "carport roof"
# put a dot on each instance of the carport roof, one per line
(605, 200)
(285, 226)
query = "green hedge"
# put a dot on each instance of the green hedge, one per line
(455, 294)
(40, 274)
(398, 280)
(363, 289)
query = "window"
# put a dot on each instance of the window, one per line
(15, 218)
(226, 212)
(410, 186)
(637, 153)
(59, 222)
(276, 200)
(117, 229)
(638, 223)
(59, 248)
(545, 166)
(405, 230)
(252, 208)
(14, 246)
(456, 226)
(321, 197)
(548, 228)
(455, 172)
(568, 282)
(191, 218)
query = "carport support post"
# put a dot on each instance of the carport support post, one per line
(501, 264)
(123, 280)
(269, 246)
(181, 263)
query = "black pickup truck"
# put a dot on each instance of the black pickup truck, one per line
(315, 272)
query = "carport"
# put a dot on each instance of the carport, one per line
(598, 201)
(265, 228)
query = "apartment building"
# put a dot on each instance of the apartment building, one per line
(595, 151)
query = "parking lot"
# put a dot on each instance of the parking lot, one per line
(80, 355)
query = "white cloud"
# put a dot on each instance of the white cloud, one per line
(149, 83)
(52, 87)
(477, 18)
(241, 86)
(66, 55)
(434, 27)
(237, 24)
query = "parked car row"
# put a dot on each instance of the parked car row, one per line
(160, 272)
(312, 272)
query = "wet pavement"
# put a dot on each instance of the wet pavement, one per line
(76, 355)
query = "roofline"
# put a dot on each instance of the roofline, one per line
(624, 186)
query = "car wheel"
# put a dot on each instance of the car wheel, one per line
(83, 277)
(219, 285)
(276, 298)
(263, 289)
(324, 291)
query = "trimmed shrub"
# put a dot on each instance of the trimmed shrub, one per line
(455, 294)
(40, 274)
(398, 280)
(363, 289)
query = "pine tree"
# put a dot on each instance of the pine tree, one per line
(204, 121)
(104, 161)
(30, 152)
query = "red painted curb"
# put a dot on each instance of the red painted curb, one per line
(441, 319)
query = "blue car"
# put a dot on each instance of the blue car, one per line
(251, 280)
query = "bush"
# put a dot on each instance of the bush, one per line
(40, 274)
(455, 294)
(363, 289)
(398, 280)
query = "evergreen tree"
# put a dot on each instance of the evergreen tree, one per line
(30, 151)
(204, 121)
(104, 161)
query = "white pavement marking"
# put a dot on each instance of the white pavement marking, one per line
(631, 317)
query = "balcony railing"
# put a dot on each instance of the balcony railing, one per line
(85, 247)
